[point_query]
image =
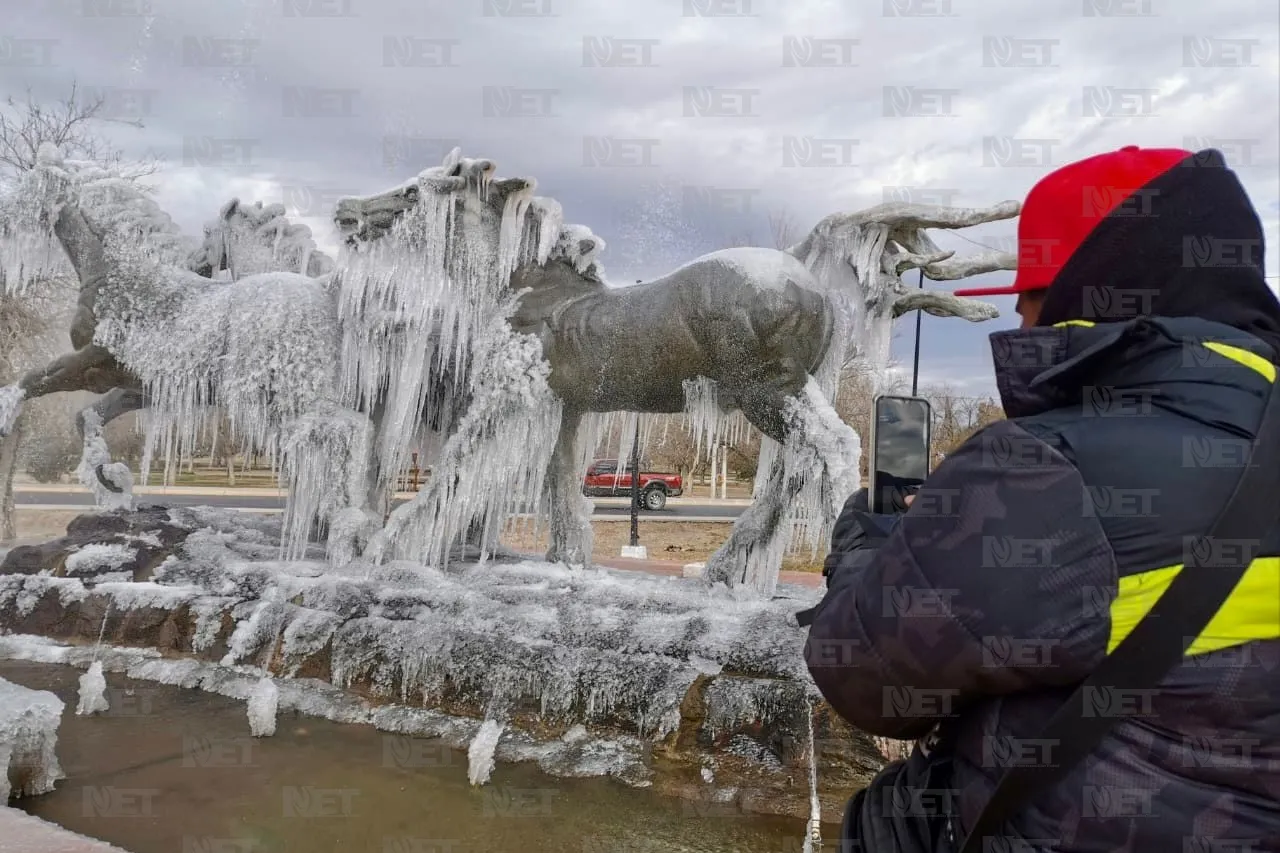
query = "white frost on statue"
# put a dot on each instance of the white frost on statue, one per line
(110, 482)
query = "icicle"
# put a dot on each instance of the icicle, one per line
(96, 469)
(93, 691)
(262, 707)
(480, 754)
(11, 397)
(813, 834)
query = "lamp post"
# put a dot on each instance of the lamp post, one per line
(915, 363)
(635, 486)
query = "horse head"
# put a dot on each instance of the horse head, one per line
(470, 232)
(256, 238)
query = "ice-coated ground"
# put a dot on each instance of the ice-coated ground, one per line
(28, 740)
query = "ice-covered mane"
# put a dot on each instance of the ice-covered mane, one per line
(248, 239)
(427, 266)
(29, 250)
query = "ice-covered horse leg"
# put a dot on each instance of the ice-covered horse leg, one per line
(571, 537)
(89, 368)
(326, 460)
(812, 441)
(110, 482)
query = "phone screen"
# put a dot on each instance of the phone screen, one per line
(899, 451)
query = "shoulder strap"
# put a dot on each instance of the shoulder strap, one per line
(1159, 641)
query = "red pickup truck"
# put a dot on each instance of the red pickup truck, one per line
(603, 480)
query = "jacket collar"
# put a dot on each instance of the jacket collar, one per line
(1045, 368)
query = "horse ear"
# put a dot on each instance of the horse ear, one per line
(451, 160)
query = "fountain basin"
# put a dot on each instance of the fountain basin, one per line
(658, 682)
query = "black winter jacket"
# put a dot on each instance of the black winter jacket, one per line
(1034, 548)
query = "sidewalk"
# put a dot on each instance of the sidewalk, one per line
(666, 567)
(216, 491)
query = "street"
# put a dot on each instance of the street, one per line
(678, 509)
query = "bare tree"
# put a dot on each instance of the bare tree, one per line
(782, 227)
(73, 124)
(28, 321)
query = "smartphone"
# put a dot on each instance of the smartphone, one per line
(899, 463)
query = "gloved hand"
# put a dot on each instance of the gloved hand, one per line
(858, 533)
(856, 530)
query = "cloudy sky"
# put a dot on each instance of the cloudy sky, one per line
(670, 127)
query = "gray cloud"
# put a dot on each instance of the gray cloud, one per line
(304, 100)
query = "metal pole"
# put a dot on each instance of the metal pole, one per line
(724, 465)
(915, 364)
(635, 486)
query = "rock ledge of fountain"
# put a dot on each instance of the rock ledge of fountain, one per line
(652, 680)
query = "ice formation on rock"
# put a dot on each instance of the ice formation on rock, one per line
(262, 707)
(97, 558)
(481, 752)
(620, 757)
(29, 722)
(93, 691)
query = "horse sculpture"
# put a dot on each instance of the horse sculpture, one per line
(760, 331)
(149, 329)
(243, 240)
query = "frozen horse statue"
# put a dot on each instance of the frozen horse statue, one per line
(243, 240)
(482, 266)
(263, 347)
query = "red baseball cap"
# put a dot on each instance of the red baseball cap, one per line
(1065, 206)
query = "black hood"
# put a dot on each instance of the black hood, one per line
(1188, 244)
